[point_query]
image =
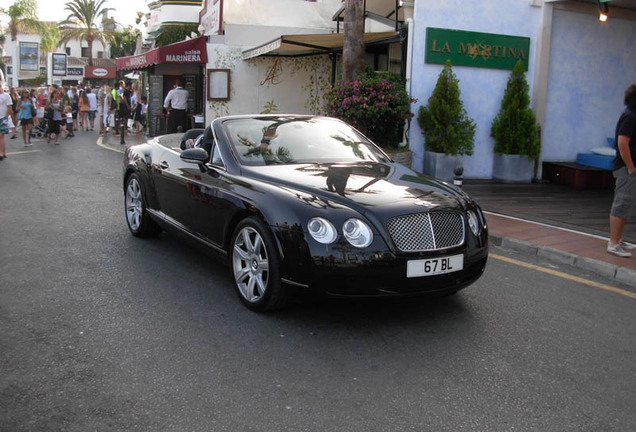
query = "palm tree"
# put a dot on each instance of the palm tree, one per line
(50, 39)
(353, 60)
(22, 17)
(82, 24)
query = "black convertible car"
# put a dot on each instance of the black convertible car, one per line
(305, 203)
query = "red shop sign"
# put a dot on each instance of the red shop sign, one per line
(193, 51)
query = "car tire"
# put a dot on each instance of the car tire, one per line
(139, 221)
(255, 266)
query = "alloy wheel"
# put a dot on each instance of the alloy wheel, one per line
(250, 264)
(134, 204)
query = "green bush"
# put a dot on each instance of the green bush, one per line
(515, 128)
(444, 122)
(375, 104)
(175, 33)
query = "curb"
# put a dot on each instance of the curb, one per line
(611, 271)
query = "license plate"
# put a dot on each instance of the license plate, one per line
(434, 266)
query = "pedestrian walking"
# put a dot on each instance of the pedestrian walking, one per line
(92, 109)
(15, 100)
(6, 107)
(55, 108)
(123, 112)
(26, 112)
(176, 103)
(108, 120)
(114, 105)
(83, 107)
(70, 121)
(624, 205)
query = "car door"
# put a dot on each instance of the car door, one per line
(173, 178)
(188, 195)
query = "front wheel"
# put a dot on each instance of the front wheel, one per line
(256, 266)
(137, 217)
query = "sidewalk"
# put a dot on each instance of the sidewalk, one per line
(561, 245)
(555, 222)
(111, 141)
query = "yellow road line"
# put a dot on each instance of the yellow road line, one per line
(565, 276)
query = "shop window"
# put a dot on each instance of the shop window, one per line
(395, 58)
(385, 58)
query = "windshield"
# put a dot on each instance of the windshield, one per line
(294, 140)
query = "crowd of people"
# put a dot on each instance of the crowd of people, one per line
(56, 111)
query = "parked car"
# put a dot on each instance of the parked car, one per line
(306, 204)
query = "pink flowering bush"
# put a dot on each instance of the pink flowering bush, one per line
(375, 104)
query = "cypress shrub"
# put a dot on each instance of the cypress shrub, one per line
(515, 128)
(444, 122)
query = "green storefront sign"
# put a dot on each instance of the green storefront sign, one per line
(475, 49)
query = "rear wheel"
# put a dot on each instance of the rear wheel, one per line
(256, 266)
(137, 217)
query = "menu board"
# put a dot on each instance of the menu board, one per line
(190, 84)
(155, 104)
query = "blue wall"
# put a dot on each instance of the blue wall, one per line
(592, 63)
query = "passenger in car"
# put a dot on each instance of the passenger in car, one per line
(192, 134)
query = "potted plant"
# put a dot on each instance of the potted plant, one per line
(377, 104)
(448, 131)
(516, 132)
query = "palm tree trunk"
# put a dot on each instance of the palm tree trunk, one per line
(90, 52)
(353, 53)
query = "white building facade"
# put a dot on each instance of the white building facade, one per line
(25, 61)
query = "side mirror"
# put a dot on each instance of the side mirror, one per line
(196, 155)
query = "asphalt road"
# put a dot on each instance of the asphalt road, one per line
(101, 331)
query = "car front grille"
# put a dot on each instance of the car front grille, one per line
(421, 232)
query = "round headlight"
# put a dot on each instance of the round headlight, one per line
(473, 222)
(322, 230)
(357, 233)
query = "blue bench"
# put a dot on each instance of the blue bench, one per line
(602, 158)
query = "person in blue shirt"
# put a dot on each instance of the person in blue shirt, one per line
(25, 115)
(624, 204)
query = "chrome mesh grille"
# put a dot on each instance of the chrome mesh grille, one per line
(427, 231)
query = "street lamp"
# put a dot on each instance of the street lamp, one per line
(603, 10)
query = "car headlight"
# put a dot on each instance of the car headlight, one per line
(473, 222)
(322, 230)
(357, 233)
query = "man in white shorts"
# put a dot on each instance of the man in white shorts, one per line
(6, 109)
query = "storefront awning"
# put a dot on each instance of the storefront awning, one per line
(311, 44)
(193, 51)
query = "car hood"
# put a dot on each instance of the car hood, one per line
(366, 186)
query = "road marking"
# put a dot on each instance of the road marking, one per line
(23, 152)
(100, 142)
(565, 276)
(545, 225)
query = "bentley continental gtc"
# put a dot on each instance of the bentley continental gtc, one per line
(299, 204)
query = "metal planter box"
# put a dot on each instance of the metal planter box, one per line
(441, 165)
(512, 168)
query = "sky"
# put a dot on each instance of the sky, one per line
(53, 10)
